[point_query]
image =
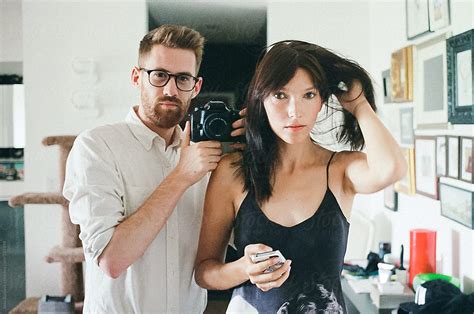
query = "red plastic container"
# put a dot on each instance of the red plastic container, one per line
(422, 253)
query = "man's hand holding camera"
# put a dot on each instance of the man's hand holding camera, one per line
(203, 156)
(198, 159)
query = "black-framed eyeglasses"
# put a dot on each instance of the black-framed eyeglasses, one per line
(159, 78)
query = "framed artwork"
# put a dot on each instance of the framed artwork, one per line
(466, 153)
(453, 157)
(387, 93)
(441, 156)
(460, 65)
(431, 106)
(401, 75)
(406, 127)
(390, 116)
(407, 183)
(457, 204)
(439, 14)
(425, 161)
(417, 18)
(390, 198)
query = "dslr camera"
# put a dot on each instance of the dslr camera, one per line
(213, 121)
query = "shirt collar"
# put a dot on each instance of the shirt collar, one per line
(146, 136)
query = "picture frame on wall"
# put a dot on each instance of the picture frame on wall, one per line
(390, 198)
(460, 67)
(431, 106)
(387, 93)
(441, 156)
(425, 162)
(390, 116)
(407, 184)
(457, 204)
(466, 155)
(417, 18)
(453, 157)
(401, 75)
(439, 13)
(406, 127)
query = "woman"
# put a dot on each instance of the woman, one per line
(286, 192)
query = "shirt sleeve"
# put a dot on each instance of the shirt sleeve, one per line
(95, 191)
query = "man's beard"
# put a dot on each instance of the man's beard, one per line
(166, 118)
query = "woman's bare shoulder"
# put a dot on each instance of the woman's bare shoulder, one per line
(231, 158)
(226, 183)
(228, 171)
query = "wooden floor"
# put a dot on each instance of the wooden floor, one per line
(30, 306)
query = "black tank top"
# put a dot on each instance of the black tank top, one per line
(316, 247)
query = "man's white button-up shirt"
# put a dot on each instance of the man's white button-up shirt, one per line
(110, 172)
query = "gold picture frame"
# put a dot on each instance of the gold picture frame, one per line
(407, 184)
(401, 75)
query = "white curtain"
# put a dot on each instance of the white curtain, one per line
(19, 116)
(6, 115)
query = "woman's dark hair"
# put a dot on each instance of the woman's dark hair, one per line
(275, 69)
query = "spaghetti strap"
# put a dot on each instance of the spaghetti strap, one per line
(327, 169)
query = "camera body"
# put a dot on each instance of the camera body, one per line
(213, 121)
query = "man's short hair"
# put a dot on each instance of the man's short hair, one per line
(173, 36)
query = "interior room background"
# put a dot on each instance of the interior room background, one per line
(65, 48)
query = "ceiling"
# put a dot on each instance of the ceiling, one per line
(218, 21)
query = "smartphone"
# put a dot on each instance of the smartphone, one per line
(263, 256)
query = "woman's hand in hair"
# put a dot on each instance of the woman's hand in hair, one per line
(353, 98)
(256, 272)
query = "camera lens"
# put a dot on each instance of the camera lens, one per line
(215, 127)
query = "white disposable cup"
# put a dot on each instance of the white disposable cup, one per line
(384, 275)
(401, 276)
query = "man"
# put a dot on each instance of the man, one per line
(136, 188)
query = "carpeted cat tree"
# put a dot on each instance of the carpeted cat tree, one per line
(69, 253)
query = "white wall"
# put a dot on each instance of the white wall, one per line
(339, 25)
(369, 31)
(455, 247)
(55, 34)
(10, 31)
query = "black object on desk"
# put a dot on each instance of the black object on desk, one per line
(401, 258)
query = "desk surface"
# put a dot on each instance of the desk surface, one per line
(360, 302)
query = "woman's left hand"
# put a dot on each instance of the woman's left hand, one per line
(354, 97)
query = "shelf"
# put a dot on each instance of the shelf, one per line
(11, 160)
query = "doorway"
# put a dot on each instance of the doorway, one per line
(236, 34)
